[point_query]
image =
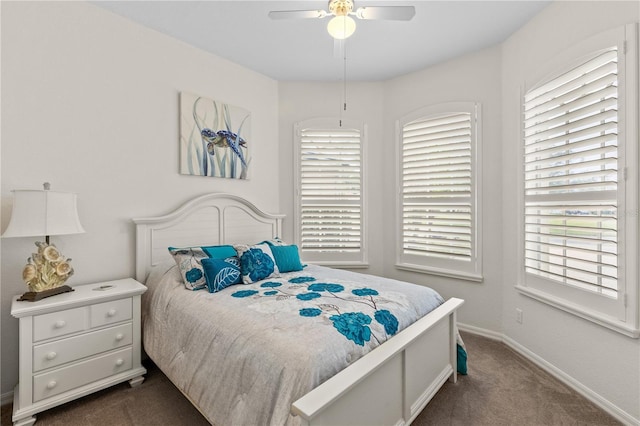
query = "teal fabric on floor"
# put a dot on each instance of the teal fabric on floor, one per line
(462, 361)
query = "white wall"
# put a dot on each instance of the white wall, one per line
(602, 360)
(303, 100)
(474, 77)
(90, 104)
(471, 78)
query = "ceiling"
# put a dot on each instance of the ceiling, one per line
(302, 50)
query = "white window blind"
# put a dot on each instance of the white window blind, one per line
(330, 210)
(437, 190)
(436, 155)
(579, 183)
(571, 177)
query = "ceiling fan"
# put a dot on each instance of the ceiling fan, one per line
(342, 25)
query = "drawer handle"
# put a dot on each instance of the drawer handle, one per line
(119, 336)
(52, 384)
(51, 355)
(111, 312)
(60, 324)
(119, 362)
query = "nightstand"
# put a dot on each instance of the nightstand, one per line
(76, 343)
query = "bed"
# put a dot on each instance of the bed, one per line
(290, 349)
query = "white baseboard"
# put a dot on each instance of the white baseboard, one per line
(481, 332)
(6, 398)
(574, 384)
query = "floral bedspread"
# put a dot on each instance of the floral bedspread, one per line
(244, 354)
(362, 314)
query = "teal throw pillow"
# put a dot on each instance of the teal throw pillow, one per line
(287, 258)
(220, 252)
(221, 273)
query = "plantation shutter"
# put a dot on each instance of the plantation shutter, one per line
(437, 187)
(330, 193)
(571, 174)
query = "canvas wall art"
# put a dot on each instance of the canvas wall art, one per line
(215, 138)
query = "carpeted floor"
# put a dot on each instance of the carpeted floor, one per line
(502, 388)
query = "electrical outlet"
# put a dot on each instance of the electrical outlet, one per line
(519, 315)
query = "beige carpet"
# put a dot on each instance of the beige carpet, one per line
(502, 388)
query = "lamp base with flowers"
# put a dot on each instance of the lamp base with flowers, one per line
(45, 273)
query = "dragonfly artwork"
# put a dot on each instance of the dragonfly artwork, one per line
(214, 138)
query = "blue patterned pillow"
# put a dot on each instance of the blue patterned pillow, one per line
(256, 262)
(221, 273)
(287, 258)
(189, 261)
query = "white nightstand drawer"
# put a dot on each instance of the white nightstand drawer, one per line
(110, 312)
(65, 350)
(67, 378)
(77, 343)
(59, 323)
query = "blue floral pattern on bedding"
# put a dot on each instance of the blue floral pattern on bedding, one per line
(270, 284)
(353, 325)
(352, 314)
(310, 312)
(244, 293)
(364, 292)
(388, 320)
(299, 280)
(331, 288)
(308, 296)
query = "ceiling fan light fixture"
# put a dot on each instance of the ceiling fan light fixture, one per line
(341, 27)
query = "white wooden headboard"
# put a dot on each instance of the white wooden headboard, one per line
(211, 219)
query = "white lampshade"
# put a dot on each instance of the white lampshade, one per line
(43, 213)
(341, 27)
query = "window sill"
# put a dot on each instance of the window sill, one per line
(341, 265)
(580, 311)
(440, 272)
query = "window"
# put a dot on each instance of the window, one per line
(330, 202)
(575, 156)
(439, 166)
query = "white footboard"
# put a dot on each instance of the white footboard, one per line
(394, 382)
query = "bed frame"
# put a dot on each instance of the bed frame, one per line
(390, 385)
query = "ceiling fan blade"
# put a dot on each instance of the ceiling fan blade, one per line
(392, 13)
(297, 14)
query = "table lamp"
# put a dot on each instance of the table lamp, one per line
(37, 213)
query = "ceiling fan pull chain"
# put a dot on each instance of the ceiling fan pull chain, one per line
(345, 75)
